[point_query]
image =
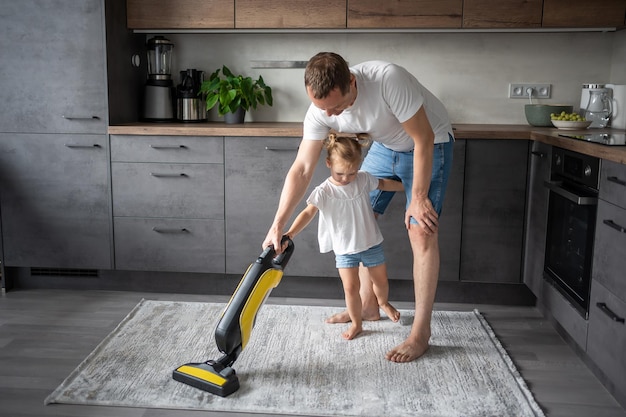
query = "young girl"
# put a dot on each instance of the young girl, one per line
(348, 227)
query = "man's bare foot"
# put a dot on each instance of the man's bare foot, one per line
(344, 317)
(407, 351)
(391, 312)
(352, 332)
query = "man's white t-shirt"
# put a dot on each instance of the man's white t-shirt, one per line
(387, 95)
(346, 224)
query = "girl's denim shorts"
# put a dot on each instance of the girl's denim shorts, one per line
(382, 162)
(371, 257)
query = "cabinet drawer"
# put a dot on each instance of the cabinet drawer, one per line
(607, 337)
(168, 190)
(613, 183)
(609, 262)
(183, 245)
(174, 149)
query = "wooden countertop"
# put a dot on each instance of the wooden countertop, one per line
(461, 131)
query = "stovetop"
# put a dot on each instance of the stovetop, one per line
(609, 139)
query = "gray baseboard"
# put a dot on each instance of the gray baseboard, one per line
(225, 284)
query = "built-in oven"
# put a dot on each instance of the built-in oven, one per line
(572, 211)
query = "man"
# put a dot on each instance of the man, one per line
(412, 143)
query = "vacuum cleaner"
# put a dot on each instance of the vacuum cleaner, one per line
(234, 328)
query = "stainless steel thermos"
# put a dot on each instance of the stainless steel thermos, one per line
(190, 105)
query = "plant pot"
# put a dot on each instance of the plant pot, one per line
(236, 117)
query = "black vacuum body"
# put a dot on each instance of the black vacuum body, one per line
(236, 323)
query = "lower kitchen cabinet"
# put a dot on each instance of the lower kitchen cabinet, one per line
(606, 341)
(168, 203)
(536, 217)
(54, 197)
(493, 210)
(255, 171)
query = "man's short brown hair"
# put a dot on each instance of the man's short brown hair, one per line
(325, 72)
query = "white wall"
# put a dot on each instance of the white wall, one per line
(469, 72)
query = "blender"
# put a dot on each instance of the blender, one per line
(159, 89)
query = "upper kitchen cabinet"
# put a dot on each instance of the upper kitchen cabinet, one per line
(53, 67)
(290, 14)
(404, 14)
(583, 13)
(492, 14)
(180, 14)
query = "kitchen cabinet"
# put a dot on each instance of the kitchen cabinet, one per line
(180, 14)
(397, 246)
(168, 203)
(289, 14)
(371, 14)
(53, 66)
(583, 13)
(606, 341)
(609, 262)
(502, 14)
(404, 14)
(256, 189)
(255, 171)
(55, 200)
(536, 216)
(493, 210)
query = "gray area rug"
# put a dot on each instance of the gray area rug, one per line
(297, 364)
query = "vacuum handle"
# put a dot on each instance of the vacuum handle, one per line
(284, 257)
(269, 254)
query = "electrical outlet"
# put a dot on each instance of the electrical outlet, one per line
(521, 90)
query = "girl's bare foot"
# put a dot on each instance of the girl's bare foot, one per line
(391, 312)
(352, 332)
(343, 317)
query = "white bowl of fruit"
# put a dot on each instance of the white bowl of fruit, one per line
(569, 121)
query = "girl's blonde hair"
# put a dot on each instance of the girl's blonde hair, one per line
(347, 148)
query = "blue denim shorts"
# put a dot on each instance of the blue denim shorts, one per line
(382, 162)
(373, 256)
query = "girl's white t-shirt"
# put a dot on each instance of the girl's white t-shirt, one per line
(346, 224)
(387, 95)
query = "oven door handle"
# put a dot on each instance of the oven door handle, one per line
(556, 186)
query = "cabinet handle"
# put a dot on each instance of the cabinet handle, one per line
(81, 117)
(616, 181)
(539, 154)
(606, 310)
(614, 225)
(78, 146)
(168, 146)
(281, 148)
(166, 230)
(168, 175)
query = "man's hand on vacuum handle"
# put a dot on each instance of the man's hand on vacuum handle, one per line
(273, 238)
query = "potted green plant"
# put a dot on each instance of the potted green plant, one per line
(234, 94)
